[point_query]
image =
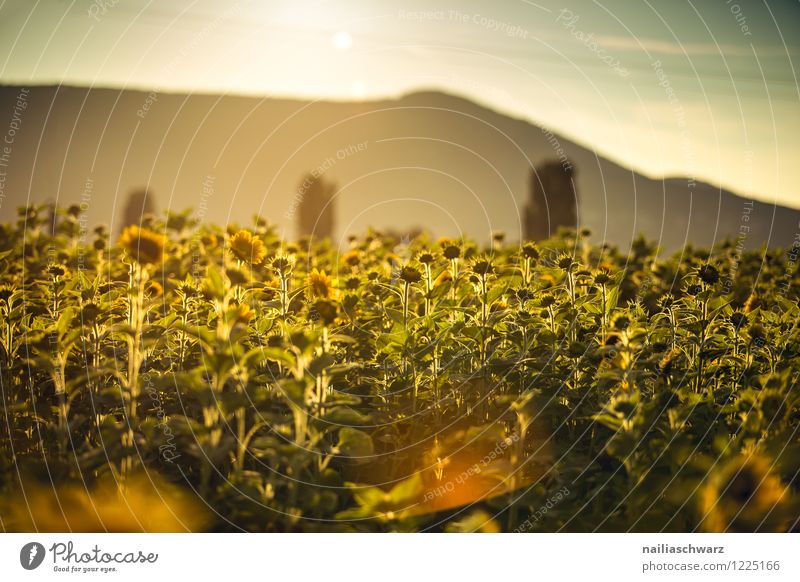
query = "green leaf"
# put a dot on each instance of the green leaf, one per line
(355, 443)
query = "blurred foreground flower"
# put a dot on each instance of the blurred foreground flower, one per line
(743, 495)
(148, 505)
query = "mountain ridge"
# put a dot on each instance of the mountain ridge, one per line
(430, 159)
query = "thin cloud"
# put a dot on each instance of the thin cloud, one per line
(663, 47)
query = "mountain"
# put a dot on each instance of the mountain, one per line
(426, 159)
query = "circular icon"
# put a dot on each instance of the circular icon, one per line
(31, 555)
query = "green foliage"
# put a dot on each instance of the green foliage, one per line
(406, 385)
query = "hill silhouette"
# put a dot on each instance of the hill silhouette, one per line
(426, 159)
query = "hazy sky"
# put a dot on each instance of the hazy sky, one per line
(706, 88)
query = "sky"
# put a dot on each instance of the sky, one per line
(707, 89)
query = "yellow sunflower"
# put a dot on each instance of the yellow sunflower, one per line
(248, 248)
(320, 285)
(142, 245)
(154, 289)
(351, 258)
(443, 278)
(744, 495)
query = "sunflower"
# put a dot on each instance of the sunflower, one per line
(154, 289)
(426, 258)
(240, 313)
(482, 267)
(708, 274)
(410, 275)
(743, 495)
(209, 240)
(443, 278)
(351, 258)
(530, 251)
(283, 264)
(451, 252)
(320, 285)
(5, 293)
(90, 312)
(144, 246)
(147, 504)
(352, 283)
(324, 310)
(248, 248)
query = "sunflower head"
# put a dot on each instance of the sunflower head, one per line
(237, 276)
(239, 314)
(325, 311)
(5, 293)
(444, 277)
(154, 289)
(451, 252)
(209, 240)
(622, 322)
(248, 248)
(320, 285)
(283, 265)
(694, 290)
(410, 275)
(426, 258)
(56, 271)
(744, 495)
(708, 274)
(530, 251)
(566, 262)
(144, 246)
(602, 278)
(482, 267)
(738, 319)
(188, 289)
(351, 258)
(546, 300)
(90, 312)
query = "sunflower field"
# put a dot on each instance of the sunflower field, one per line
(191, 377)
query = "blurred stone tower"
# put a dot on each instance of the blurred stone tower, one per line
(139, 204)
(552, 201)
(316, 206)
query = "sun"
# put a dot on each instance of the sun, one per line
(342, 40)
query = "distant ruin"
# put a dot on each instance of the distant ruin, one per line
(552, 201)
(315, 207)
(140, 203)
